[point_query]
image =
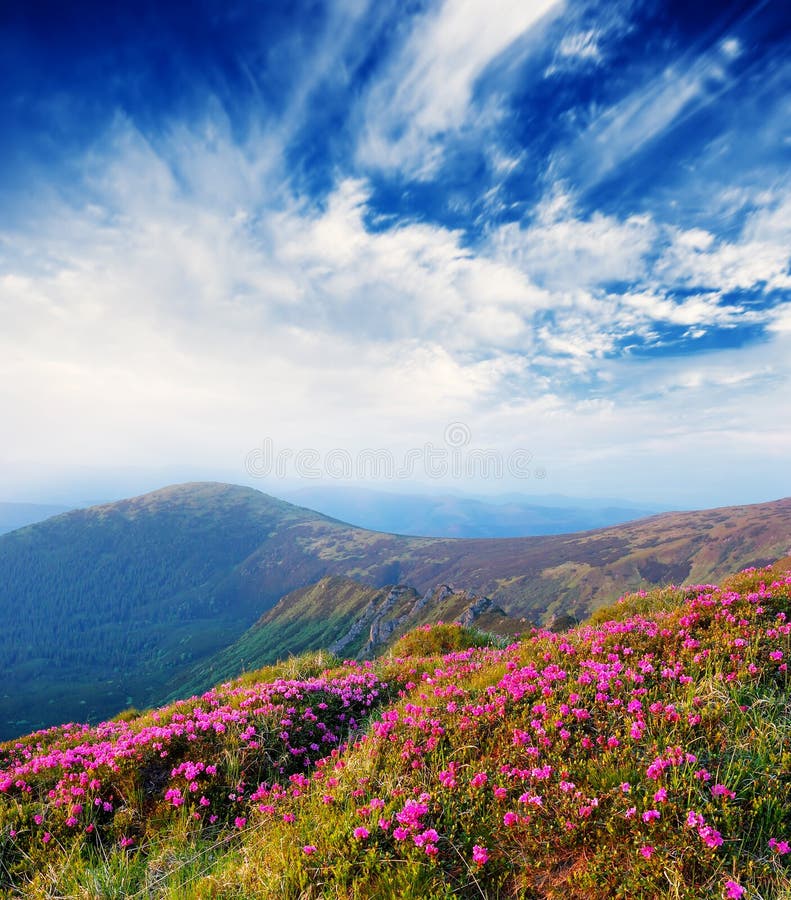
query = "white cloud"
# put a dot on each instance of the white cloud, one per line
(563, 252)
(698, 309)
(188, 323)
(731, 47)
(581, 45)
(577, 49)
(164, 324)
(780, 319)
(760, 256)
(413, 279)
(428, 87)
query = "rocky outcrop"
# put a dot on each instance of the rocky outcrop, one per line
(383, 623)
(373, 617)
(476, 609)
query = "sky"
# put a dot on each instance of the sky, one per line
(473, 245)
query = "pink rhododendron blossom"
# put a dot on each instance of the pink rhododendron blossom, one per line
(480, 855)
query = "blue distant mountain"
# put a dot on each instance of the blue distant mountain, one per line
(451, 515)
(17, 515)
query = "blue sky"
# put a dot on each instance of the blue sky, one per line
(348, 225)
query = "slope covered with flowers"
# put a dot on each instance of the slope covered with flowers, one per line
(645, 754)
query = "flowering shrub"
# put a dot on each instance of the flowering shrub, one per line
(207, 759)
(644, 754)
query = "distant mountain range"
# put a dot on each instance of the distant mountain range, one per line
(117, 604)
(451, 515)
(420, 515)
(17, 515)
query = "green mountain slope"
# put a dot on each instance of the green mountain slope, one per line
(347, 618)
(105, 607)
(309, 618)
(100, 605)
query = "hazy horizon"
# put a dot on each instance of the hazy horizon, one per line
(90, 490)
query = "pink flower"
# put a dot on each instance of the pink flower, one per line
(429, 836)
(510, 818)
(710, 836)
(733, 890)
(720, 790)
(240, 821)
(309, 849)
(647, 851)
(650, 814)
(361, 833)
(780, 847)
(480, 855)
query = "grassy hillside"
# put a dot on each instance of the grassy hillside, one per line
(103, 608)
(346, 617)
(645, 754)
(310, 618)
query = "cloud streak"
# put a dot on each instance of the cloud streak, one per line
(427, 89)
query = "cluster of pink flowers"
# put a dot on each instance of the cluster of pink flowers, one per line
(589, 694)
(604, 732)
(73, 774)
